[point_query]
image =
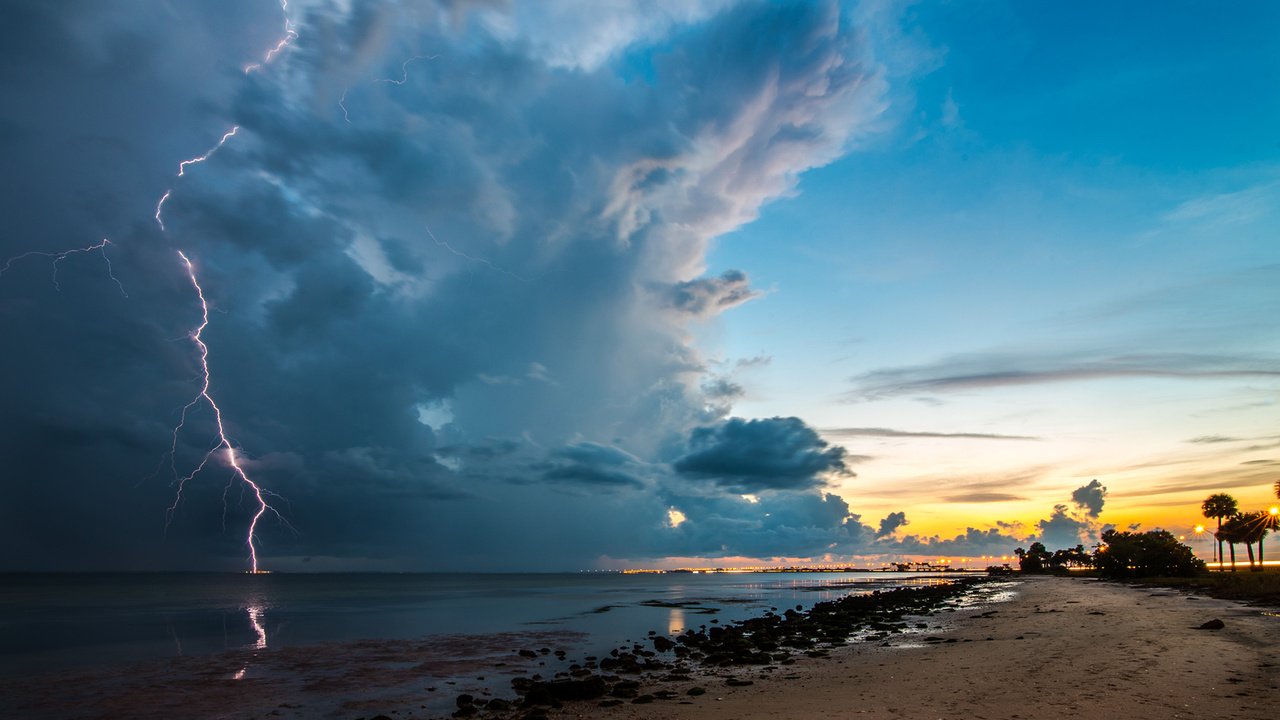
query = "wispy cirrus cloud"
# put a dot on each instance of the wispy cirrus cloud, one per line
(1240, 206)
(983, 497)
(981, 371)
(892, 433)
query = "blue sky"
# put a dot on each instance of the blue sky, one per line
(1061, 182)
(566, 284)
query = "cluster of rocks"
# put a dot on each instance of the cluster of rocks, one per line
(768, 641)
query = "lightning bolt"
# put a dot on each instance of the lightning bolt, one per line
(472, 258)
(342, 103)
(182, 170)
(160, 208)
(404, 70)
(182, 166)
(290, 34)
(404, 78)
(221, 442)
(60, 256)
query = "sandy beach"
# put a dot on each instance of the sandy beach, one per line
(1062, 647)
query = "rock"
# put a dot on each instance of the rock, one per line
(610, 703)
(562, 690)
(696, 691)
(1214, 624)
(735, 682)
(625, 689)
(528, 654)
(642, 700)
(465, 699)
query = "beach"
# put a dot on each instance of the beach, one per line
(1063, 647)
(1021, 647)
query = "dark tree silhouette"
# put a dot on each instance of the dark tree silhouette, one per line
(1219, 506)
(1148, 554)
(1254, 527)
(1235, 530)
(1034, 559)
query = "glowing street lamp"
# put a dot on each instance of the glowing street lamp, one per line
(1200, 531)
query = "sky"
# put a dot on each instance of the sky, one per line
(577, 285)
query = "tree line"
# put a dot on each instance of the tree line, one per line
(1239, 528)
(1157, 552)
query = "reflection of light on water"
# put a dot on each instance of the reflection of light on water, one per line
(675, 621)
(255, 619)
(255, 612)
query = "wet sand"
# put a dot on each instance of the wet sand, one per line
(1063, 647)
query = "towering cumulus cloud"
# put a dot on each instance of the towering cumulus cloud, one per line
(453, 254)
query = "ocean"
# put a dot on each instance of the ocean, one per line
(450, 629)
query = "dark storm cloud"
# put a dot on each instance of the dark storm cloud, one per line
(887, 432)
(748, 456)
(1061, 530)
(890, 523)
(591, 463)
(775, 524)
(508, 231)
(973, 541)
(1090, 498)
(1003, 370)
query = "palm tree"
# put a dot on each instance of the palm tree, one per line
(1253, 528)
(1219, 506)
(1233, 531)
(1259, 523)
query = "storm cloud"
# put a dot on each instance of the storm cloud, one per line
(747, 456)
(1090, 498)
(516, 229)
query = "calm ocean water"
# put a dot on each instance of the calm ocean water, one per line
(59, 622)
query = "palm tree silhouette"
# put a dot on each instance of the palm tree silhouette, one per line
(1231, 533)
(1256, 525)
(1219, 506)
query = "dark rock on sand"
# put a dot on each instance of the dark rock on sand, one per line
(1214, 624)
